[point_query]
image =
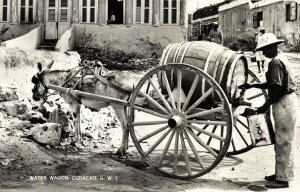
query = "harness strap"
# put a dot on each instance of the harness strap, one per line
(105, 81)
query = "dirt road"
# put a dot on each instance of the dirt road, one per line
(84, 170)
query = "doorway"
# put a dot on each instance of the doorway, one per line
(116, 8)
(57, 18)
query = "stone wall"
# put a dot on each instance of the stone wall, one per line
(29, 41)
(131, 39)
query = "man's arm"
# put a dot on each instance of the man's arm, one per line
(275, 94)
(257, 85)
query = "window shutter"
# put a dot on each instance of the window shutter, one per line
(293, 11)
(255, 22)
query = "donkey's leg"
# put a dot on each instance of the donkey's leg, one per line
(75, 109)
(121, 114)
(76, 122)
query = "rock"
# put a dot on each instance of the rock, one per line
(19, 124)
(5, 162)
(8, 94)
(93, 132)
(16, 109)
(48, 133)
(36, 117)
(44, 111)
(47, 162)
(60, 117)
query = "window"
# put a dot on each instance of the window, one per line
(26, 11)
(52, 10)
(143, 11)
(64, 10)
(170, 11)
(291, 11)
(257, 19)
(4, 10)
(89, 11)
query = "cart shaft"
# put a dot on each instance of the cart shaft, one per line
(78, 94)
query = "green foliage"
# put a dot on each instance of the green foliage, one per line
(293, 45)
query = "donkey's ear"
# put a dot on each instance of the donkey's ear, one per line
(40, 67)
(50, 64)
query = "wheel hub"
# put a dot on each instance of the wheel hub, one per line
(178, 121)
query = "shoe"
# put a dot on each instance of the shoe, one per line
(278, 184)
(270, 178)
(259, 71)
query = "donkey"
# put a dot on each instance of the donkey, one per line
(124, 80)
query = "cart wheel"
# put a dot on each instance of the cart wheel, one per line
(241, 140)
(164, 129)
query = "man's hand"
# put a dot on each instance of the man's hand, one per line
(245, 86)
(249, 112)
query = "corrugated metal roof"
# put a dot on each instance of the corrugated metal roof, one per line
(207, 11)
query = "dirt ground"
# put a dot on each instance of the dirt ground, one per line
(28, 166)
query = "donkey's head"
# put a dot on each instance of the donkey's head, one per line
(40, 89)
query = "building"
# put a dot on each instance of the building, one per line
(203, 19)
(136, 21)
(240, 19)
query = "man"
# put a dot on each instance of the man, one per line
(281, 88)
(215, 34)
(112, 19)
(258, 54)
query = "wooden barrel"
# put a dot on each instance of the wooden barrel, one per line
(227, 67)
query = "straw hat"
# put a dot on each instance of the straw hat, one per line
(267, 39)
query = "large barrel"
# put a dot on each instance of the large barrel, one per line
(227, 67)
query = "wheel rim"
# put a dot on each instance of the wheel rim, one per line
(167, 135)
(241, 140)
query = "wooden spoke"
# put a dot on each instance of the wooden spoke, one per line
(253, 80)
(158, 142)
(213, 131)
(242, 123)
(194, 150)
(241, 135)
(186, 156)
(164, 75)
(160, 95)
(192, 90)
(203, 144)
(176, 154)
(150, 112)
(207, 133)
(207, 112)
(154, 102)
(222, 133)
(165, 149)
(200, 100)
(233, 145)
(153, 133)
(179, 81)
(255, 96)
(201, 122)
(205, 127)
(149, 123)
(172, 78)
(148, 88)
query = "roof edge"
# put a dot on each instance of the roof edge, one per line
(234, 4)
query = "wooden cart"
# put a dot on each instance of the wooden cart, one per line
(181, 117)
